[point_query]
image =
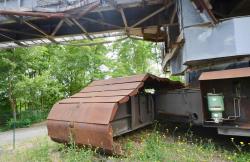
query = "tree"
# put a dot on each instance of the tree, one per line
(132, 57)
(12, 68)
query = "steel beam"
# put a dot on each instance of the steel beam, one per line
(210, 13)
(88, 9)
(19, 32)
(32, 14)
(81, 28)
(173, 15)
(40, 31)
(57, 28)
(152, 14)
(15, 41)
(101, 22)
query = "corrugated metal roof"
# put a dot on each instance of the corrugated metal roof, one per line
(226, 74)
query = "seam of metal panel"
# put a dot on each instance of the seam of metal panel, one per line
(74, 122)
(114, 83)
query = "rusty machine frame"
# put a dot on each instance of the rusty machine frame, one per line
(205, 41)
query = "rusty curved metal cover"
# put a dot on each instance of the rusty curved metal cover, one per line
(86, 116)
(226, 74)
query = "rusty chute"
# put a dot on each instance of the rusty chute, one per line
(105, 109)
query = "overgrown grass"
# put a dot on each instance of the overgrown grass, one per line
(145, 145)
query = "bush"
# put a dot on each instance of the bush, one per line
(27, 118)
(20, 123)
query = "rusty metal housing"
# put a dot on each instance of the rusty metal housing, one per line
(234, 84)
(105, 109)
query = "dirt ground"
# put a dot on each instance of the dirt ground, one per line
(22, 134)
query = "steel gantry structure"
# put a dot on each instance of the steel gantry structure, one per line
(207, 41)
(30, 22)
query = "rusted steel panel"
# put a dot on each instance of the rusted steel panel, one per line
(82, 133)
(94, 135)
(226, 74)
(130, 92)
(113, 87)
(62, 112)
(58, 130)
(120, 99)
(95, 113)
(134, 78)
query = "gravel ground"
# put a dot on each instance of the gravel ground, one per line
(22, 134)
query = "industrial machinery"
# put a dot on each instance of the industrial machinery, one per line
(106, 109)
(204, 41)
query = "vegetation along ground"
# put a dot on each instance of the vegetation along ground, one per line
(156, 143)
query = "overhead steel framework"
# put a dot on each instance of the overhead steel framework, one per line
(56, 21)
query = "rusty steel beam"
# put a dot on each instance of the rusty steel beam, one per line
(101, 22)
(87, 10)
(59, 25)
(210, 13)
(32, 14)
(19, 32)
(173, 15)
(81, 28)
(15, 41)
(40, 31)
(94, 43)
(153, 14)
(34, 27)
(123, 17)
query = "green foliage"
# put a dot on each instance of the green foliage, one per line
(74, 154)
(176, 78)
(20, 123)
(132, 57)
(27, 118)
(37, 77)
(5, 112)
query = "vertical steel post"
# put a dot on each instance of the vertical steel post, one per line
(14, 130)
